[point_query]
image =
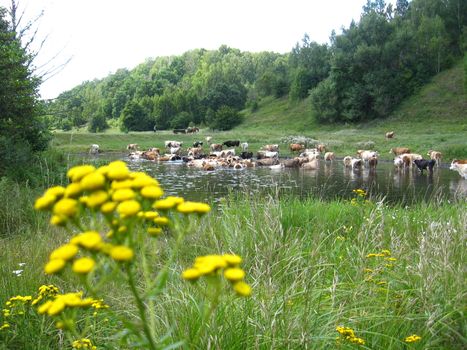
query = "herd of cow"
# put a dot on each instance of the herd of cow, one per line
(225, 155)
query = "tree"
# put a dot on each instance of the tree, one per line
(19, 121)
(225, 118)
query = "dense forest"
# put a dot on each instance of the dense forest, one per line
(362, 74)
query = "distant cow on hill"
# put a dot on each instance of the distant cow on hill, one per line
(231, 143)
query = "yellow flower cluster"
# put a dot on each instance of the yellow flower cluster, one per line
(227, 265)
(123, 198)
(379, 266)
(63, 301)
(412, 338)
(83, 343)
(349, 335)
(359, 192)
(45, 291)
(383, 253)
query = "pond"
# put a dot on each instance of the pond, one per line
(330, 181)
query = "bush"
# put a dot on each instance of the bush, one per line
(224, 119)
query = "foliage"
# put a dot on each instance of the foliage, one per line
(225, 118)
(20, 126)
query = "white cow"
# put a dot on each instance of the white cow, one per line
(244, 146)
(94, 149)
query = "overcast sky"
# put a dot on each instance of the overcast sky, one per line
(102, 36)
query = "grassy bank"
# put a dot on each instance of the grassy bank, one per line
(309, 265)
(434, 118)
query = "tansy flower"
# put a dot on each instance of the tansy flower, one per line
(121, 253)
(128, 208)
(154, 231)
(91, 240)
(234, 274)
(168, 203)
(45, 202)
(58, 220)
(118, 171)
(108, 207)
(44, 307)
(141, 180)
(96, 199)
(242, 289)
(83, 343)
(73, 190)
(78, 172)
(92, 181)
(54, 266)
(123, 194)
(83, 265)
(56, 307)
(152, 192)
(191, 274)
(412, 338)
(193, 207)
(64, 252)
(161, 221)
(232, 259)
(150, 215)
(66, 207)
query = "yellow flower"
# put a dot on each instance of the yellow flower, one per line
(56, 307)
(121, 253)
(142, 180)
(78, 172)
(118, 171)
(193, 207)
(152, 192)
(209, 263)
(128, 208)
(123, 194)
(64, 252)
(232, 259)
(83, 265)
(150, 215)
(161, 221)
(234, 274)
(44, 307)
(92, 181)
(154, 231)
(412, 338)
(83, 343)
(45, 202)
(91, 240)
(96, 199)
(5, 325)
(58, 220)
(242, 289)
(118, 185)
(66, 207)
(73, 190)
(386, 252)
(168, 203)
(54, 266)
(108, 207)
(191, 274)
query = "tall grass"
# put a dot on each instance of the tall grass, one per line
(306, 261)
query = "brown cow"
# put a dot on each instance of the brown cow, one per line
(399, 150)
(321, 148)
(390, 134)
(296, 147)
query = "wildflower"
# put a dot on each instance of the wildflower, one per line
(391, 259)
(193, 207)
(345, 331)
(232, 259)
(83, 343)
(44, 307)
(128, 208)
(108, 207)
(386, 252)
(141, 180)
(161, 221)
(78, 172)
(45, 202)
(234, 274)
(83, 265)
(191, 274)
(118, 185)
(412, 338)
(54, 266)
(91, 240)
(73, 190)
(58, 220)
(242, 289)
(121, 253)
(64, 252)
(150, 215)
(118, 171)
(123, 194)
(56, 306)
(96, 199)
(154, 231)
(92, 181)
(66, 207)
(5, 325)
(152, 192)
(168, 203)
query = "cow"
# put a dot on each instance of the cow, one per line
(94, 149)
(194, 151)
(347, 161)
(373, 162)
(292, 163)
(310, 152)
(460, 166)
(366, 155)
(197, 143)
(174, 150)
(246, 155)
(231, 143)
(271, 148)
(179, 131)
(435, 155)
(267, 154)
(208, 139)
(321, 148)
(150, 155)
(399, 150)
(132, 147)
(390, 134)
(296, 147)
(356, 163)
(423, 164)
(329, 156)
(268, 161)
(311, 165)
(216, 147)
(244, 146)
(169, 144)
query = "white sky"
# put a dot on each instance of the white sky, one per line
(105, 35)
